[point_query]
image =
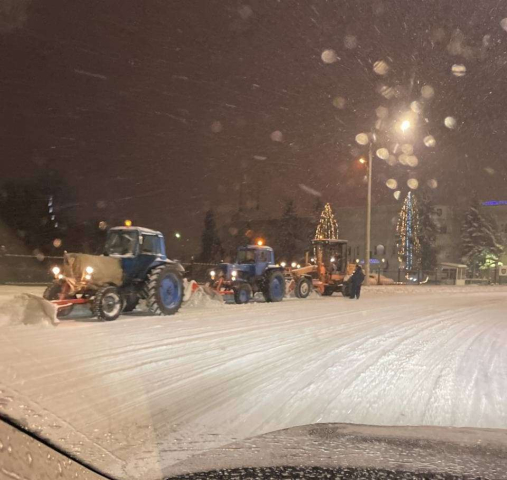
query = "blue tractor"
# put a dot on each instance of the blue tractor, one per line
(133, 266)
(254, 271)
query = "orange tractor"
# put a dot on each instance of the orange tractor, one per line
(328, 269)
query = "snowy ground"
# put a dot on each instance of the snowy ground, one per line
(137, 395)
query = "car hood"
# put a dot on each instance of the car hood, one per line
(459, 452)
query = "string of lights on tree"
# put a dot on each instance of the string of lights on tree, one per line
(408, 233)
(328, 226)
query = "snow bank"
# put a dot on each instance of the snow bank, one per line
(28, 309)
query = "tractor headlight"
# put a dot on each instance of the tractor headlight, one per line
(212, 274)
(88, 276)
(283, 264)
(234, 274)
(89, 270)
(293, 264)
(56, 271)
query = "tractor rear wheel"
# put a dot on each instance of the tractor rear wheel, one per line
(274, 287)
(52, 291)
(303, 287)
(107, 303)
(346, 289)
(242, 293)
(164, 291)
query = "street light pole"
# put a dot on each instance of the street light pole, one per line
(368, 215)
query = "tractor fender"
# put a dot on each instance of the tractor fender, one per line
(157, 263)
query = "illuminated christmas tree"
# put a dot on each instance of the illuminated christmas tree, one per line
(408, 234)
(328, 226)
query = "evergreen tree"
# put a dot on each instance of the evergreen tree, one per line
(288, 233)
(428, 233)
(211, 251)
(328, 226)
(480, 239)
(408, 234)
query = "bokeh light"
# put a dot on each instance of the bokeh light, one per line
(362, 138)
(412, 161)
(427, 92)
(380, 67)
(412, 183)
(329, 56)
(339, 102)
(459, 70)
(216, 126)
(450, 122)
(429, 141)
(397, 194)
(383, 153)
(392, 183)
(350, 42)
(432, 183)
(407, 149)
(277, 136)
(416, 107)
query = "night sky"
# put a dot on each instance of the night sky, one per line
(158, 110)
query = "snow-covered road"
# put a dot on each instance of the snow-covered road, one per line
(137, 395)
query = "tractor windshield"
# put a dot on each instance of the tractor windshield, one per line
(246, 256)
(121, 242)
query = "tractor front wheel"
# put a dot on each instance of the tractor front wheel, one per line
(164, 291)
(274, 287)
(108, 303)
(52, 291)
(303, 287)
(242, 293)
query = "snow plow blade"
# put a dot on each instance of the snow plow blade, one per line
(199, 295)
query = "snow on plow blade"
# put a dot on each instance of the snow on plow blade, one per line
(28, 309)
(199, 295)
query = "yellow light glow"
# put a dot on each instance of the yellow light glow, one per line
(55, 271)
(362, 160)
(128, 223)
(260, 242)
(405, 125)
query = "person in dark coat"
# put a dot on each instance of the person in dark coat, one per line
(356, 280)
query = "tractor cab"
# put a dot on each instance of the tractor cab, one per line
(133, 241)
(255, 259)
(138, 248)
(331, 255)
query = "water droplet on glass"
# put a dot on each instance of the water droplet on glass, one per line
(407, 149)
(382, 112)
(40, 257)
(9, 449)
(397, 194)
(380, 67)
(432, 183)
(277, 136)
(216, 126)
(362, 139)
(412, 183)
(339, 102)
(427, 92)
(29, 458)
(429, 141)
(459, 70)
(102, 225)
(350, 42)
(450, 122)
(386, 92)
(383, 153)
(416, 107)
(402, 159)
(490, 171)
(57, 242)
(245, 11)
(392, 160)
(503, 24)
(391, 183)
(101, 204)
(412, 161)
(329, 56)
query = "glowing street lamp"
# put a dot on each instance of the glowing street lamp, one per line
(177, 235)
